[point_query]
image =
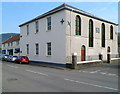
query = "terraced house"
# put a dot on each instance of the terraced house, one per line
(11, 46)
(54, 36)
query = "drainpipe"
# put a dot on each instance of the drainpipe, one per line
(70, 31)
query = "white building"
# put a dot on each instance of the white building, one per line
(55, 35)
(11, 46)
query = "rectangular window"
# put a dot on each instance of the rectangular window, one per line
(27, 45)
(11, 43)
(37, 26)
(49, 48)
(17, 42)
(49, 23)
(3, 45)
(8, 44)
(37, 48)
(27, 29)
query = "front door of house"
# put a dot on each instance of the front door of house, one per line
(83, 53)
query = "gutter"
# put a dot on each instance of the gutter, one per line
(70, 9)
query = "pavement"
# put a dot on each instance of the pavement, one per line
(30, 78)
(50, 65)
(63, 66)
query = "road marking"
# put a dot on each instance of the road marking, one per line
(12, 66)
(112, 74)
(102, 73)
(91, 84)
(85, 71)
(94, 71)
(37, 72)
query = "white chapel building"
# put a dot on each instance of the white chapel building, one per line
(54, 36)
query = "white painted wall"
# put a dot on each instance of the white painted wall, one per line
(56, 36)
(77, 41)
(60, 38)
(14, 46)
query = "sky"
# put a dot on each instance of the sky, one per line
(16, 13)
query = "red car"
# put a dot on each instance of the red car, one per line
(22, 59)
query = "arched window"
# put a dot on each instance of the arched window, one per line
(111, 32)
(103, 35)
(78, 25)
(90, 33)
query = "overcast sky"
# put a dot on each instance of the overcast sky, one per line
(16, 13)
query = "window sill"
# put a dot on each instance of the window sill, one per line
(48, 55)
(77, 35)
(36, 55)
(48, 30)
(103, 47)
(36, 32)
(91, 47)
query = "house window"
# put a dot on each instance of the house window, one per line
(27, 45)
(37, 48)
(8, 44)
(37, 26)
(48, 48)
(90, 33)
(78, 25)
(103, 35)
(11, 43)
(17, 42)
(49, 23)
(111, 32)
(27, 29)
(3, 45)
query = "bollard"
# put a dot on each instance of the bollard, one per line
(74, 60)
(100, 56)
(108, 58)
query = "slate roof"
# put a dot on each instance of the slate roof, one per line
(70, 8)
(11, 39)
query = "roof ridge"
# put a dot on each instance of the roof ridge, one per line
(6, 41)
(68, 7)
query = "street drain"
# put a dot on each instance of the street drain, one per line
(12, 79)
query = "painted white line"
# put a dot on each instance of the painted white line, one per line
(12, 66)
(91, 84)
(110, 74)
(37, 72)
(103, 73)
(85, 71)
(94, 71)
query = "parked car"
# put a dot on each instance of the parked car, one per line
(9, 58)
(22, 59)
(13, 58)
(4, 57)
(1, 55)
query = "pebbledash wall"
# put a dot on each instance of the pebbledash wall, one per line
(63, 38)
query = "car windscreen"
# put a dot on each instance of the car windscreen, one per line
(25, 57)
(15, 56)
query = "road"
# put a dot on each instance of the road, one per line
(29, 78)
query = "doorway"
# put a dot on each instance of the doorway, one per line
(83, 53)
